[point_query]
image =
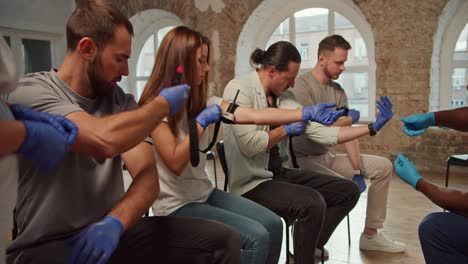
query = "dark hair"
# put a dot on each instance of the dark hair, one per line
(279, 55)
(331, 42)
(96, 19)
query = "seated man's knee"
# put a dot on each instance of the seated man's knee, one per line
(387, 166)
(227, 238)
(315, 206)
(430, 225)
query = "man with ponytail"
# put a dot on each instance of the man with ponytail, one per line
(313, 202)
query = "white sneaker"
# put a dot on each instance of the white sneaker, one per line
(318, 253)
(381, 243)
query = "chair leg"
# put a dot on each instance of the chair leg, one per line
(287, 240)
(215, 176)
(447, 174)
(323, 255)
(349, 231)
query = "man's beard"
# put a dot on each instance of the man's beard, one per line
(99, 86)
(329, 75)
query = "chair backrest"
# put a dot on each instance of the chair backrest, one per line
(222, 159)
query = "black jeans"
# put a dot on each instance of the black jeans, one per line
(156, 240)
(315, 203)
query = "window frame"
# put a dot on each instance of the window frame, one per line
(451, 23)
(16, 36)
(270, 13)
(145, 23)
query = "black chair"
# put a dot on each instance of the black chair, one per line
(222, 159)
(455, 160)
(210, 155)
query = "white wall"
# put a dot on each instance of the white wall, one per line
(38, 17)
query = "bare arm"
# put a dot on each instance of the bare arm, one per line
(265, 116)
(456, 118)
(144, 188)
(12, 134)
(109, 136)
(275, 136)
(174, 155)
(453, 200)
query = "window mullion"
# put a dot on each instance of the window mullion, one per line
(18, 53)
(460, 64)
(292, 30)
(331, 22)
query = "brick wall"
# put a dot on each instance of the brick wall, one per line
(403, 32)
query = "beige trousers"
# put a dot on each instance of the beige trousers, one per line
(377, 169)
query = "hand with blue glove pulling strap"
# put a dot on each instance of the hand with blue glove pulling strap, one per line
(96, 243)
(60, 123)
(406, 170)
(385, 112)
(175, 96)
(294, 129)
(321, 113)
(415, 125)
(211, 114)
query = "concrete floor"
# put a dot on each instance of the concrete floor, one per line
(406, 208)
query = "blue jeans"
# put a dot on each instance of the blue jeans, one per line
(260, 229)
(444, 238)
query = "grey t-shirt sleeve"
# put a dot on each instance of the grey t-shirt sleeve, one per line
(342, 98)
(41, 96)
(300, 91)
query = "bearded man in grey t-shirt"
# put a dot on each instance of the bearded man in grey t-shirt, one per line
(79, 211)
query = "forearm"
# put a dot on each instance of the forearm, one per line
(456, 119)
(275, 136)
(267, 116)
(179, 156)
(12, 134)
(449, 199)
(352, 149)
(139, 197)
(348, 133)
(110, 136)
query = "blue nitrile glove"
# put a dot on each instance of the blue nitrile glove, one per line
(321, 113)
(60, 123)
(294, 129)
(360, 182)
(211, 114)
(354, 114)
(44, 145)
(95, 243)
(175, 96)
(406, 170)
(415, 125)
(385, 114)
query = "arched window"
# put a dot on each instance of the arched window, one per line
(449, 74)
(146, 58)
(460, 70)
(305, 23)
(150, 27)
